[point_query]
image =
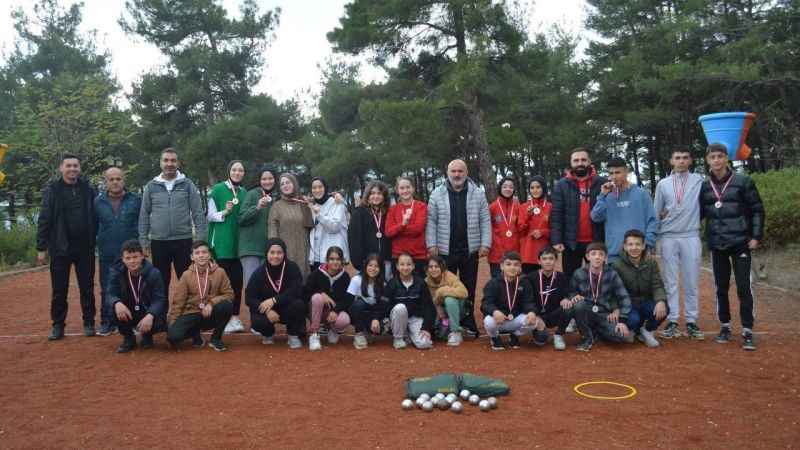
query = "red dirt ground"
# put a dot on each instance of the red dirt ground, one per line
(77, 393)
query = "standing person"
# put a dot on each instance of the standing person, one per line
(253, 222)
(66, 230)
(202, 301)
(116, 213)
(505, 212)
(459, 229)
(327, 298)
(677, 206)
(534, 225)
(224, 203)
(405, 225)
(448, 294)
(274, 295)
(550, 299)
(171, 204)
(622, 206)
(369, 304)
(137, 297)
(411, 310)
(367, 233)
(507, 304)
(330, 224)
(290, 220)
(734, 214)
(574, 195)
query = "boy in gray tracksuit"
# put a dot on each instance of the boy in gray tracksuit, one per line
(677, 206)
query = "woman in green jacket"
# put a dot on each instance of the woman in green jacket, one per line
(253, 223)
(224, 202)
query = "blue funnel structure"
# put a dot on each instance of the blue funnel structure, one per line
(730, 130)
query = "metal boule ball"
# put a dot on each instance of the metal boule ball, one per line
(451, 398)
(492, 402)
(443, 404)
(407, 404)
(474, 399)
(427, 406)
(484, 405)
(457, 407)
(424, 397)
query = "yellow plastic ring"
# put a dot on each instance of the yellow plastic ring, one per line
(580, 386)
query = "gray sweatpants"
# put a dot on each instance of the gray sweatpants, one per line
(681, 256)
(516, 326)
(401, 322)
(249, 265)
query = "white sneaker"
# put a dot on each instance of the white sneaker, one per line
(267, 340)
(558, 342)
(360, 341)
(234, 325)
(399, 343)
(572, 327)
(294, 342)
(333, 336)
(454, 339)
(313, 343)
(254, 332)
(648, 338)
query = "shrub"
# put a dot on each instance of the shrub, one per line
(18, 246)
(780, 192)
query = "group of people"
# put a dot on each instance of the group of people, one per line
(414, 265)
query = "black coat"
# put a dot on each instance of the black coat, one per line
(153, 299)
(361, 236)
(560, 291)
(51, 232)
(566, 208)
(416, 298)
(259, 289)
(495, 297)
(741, 217)
(319, 282)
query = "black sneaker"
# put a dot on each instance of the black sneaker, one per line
(724, 335)
(128, 344)
(694, 333)
(56, 333)
(540, 337)
(585, 344)
(106, 329)
(217, 345)
(88, 329)
(147, 341)
(513, 340)
(748, 342)
(497, 344)
(471, 332)
(671, 331)
(197, 341)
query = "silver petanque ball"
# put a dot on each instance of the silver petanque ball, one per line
(443, 404)
(451, 398)
(407, 404)
(439, 396)
(474, 399)
(464, 394)
(427, 406)
(424, 397)
(420, 401)
(484, 405)
(457, 407)
(492, 402)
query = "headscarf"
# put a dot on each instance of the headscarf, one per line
(539, 179)
(230, 166)
(325, 194)
(263, 170)
(296, 192)
(275, 271)
(500, 187)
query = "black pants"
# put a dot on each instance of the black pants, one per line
(169, 253)
(741, 260)
(572, 260)
(558, 318)
(189, 325)
(528, 269)
(595, 324)
(83, 260)
(293, 315)
(466, 267)
(233, 268)
(362, 313)
(126, 327)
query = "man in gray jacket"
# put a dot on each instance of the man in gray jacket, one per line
(170, 205)
(459, 229)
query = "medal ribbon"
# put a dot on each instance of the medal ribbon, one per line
(679, 187)
(276, 287)
(503, 213)
(595, 292)
(377, 218)
(203, 289)
(542, 296)
(717, 193)
(511, 302)
(136, 292)
(233, 189)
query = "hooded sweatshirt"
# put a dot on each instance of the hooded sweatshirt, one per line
(320, 281)
(289, 288)
(622, 211)
(169, 209)
(186, 299)
(683, 218)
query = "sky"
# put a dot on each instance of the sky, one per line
(292, 58)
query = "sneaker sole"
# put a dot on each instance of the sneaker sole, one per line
(218, 349)
(722, 341)
(697, 338)
(749, 348)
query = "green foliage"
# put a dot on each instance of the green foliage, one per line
(17, 246)
(780, 193)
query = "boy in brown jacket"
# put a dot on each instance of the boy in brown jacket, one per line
(202, 301)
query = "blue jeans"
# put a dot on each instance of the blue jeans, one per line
(106, 312)
(642, 315)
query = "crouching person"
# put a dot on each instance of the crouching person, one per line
(411, 310)
(203, 301)
(274, 295)
(448, 294)
(326, 293)
(600, 301)
(368, 307)
(136, 295)
(551, 300)
(508, 303)
(642, 280)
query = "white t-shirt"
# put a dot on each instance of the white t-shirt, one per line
(355, 289)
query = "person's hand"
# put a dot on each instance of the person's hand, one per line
(266, 305)
(338, 198)
(559, 248)
(622, 329)
(607, 187)
(660, 311)
(332, 316)
(122, 312)
(483, 251)
(228, 206)
(315, 208)
(146, 324)
(425, 334)
(272, 316)
(375, 326)
(206, 311)
(753, 244)
(498, 316)
(577, 298)
(433, 251)
(536, 234)
(531, 319)
(263, 202)
(41, 258)
(407, 216)
(613, 317)
(328, 301)
(566, 304)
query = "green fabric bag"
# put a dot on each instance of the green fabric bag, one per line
(446, 384)
(483, 386)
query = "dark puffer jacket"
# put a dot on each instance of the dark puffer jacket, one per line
(741, 217)
(566, 200)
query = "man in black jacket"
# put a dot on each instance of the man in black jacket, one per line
(573, 197)
(66, 231)
(734, 214)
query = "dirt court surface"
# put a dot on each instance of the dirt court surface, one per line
(78, 393)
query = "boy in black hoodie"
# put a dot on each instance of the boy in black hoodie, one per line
(551, 300)
(508, 303)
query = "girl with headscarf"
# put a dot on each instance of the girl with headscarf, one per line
(253, 222)
(274, 295)
(504, 212)
(534, 224)
(290, 220)
(367, 233)
(224, 203)
(330, 223)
